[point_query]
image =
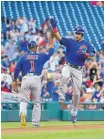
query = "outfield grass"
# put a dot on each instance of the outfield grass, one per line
(69, 134)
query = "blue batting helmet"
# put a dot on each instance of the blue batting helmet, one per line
(79, 30)
(32, 44)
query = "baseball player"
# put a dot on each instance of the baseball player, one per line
(31, 65)
(77, 51)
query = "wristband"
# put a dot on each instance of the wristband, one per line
(86, 55)
(55, 30)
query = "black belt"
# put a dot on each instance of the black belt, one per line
(32, 74)
(73, 66)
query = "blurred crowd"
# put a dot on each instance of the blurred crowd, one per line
(14, 39)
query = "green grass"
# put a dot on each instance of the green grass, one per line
(48, 123)
(69, 134)
(72, 134)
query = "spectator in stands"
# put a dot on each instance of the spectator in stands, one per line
(53, 62)
(102, 95)
(12, 66)
(55, 92)
(23, 45)
(2, 51)
(93, 71)
(6, 37)
(88, 95)
(47, 89)
(6, 78)
(61, 52)
(24, 25)
(57, 73)
(32, 25)
(11, 50)
(102, 73)
(97, 94)
(5, 59)
(88, 99)
(9, 25)
(88, 82)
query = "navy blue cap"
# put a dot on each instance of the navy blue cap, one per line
(4, 65)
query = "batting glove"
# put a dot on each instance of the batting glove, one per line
(53, 24)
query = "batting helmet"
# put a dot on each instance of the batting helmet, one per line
(32, 44)
(79, 30)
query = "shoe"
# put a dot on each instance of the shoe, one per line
(74, 116)
(23, 122)
(74, 119)
(36, 125)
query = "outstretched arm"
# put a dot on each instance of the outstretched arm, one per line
(50, 24)
(56, 34)
(50, 40)
(64, 41)
(54, 29)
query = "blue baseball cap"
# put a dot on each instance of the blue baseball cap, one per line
(32, 44)
(4, 65)
(79, 30)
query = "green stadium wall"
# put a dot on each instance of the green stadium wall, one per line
(52, 111)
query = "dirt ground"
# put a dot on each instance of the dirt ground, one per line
(51, 128)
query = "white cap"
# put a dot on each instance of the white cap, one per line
(57, 81)
(89, 90)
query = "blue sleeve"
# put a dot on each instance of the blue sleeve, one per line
(18, 68)
(65, 41)
(46, 56)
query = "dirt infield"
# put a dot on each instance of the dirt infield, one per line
(51, 128)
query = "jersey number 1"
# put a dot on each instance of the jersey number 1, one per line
(32, 66)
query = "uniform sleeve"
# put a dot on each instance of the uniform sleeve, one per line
(18, 68)
(46, 57)
(65, 41)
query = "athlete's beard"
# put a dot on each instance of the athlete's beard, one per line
(78, 39)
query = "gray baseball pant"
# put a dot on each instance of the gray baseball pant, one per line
(76, 77)
(31, 84)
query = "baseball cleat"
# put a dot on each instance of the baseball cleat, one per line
(73, 115)
(36, 125)
(74, 119)
(23, 122)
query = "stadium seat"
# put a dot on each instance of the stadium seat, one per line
(67, 13)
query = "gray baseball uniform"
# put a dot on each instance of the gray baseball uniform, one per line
(31, 65)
